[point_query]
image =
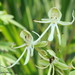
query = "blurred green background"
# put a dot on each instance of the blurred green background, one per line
(24, 12)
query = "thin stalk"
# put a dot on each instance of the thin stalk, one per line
(42, 34)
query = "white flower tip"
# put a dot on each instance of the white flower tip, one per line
(36, 33)
(27, 57)
(35, 20)
(50, 38)
(25, 63)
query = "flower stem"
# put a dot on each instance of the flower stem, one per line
(42, 34)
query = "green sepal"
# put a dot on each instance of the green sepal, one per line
(41, 44)
(61, 66)
(52, 53)
(43, 62)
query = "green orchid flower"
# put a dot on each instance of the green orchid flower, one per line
(52, 62)
(29, 46)
(54, 18)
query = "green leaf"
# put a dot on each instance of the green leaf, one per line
(9, 58)
(16, 24)
(41, 44)
(5, 46)
(3, 67)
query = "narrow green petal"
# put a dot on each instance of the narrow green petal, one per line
(53, 70)
(43, 62)
(41, 44)
(49, 72)
(42, 21)
(58, 34)
(43, 57)
(28, 56)
(41, 67)
(42, 34)
(51, 36)
(36, 33)
(32, 51)
(18, 59)
(68, 23)
(20, 46)
(59, 72)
